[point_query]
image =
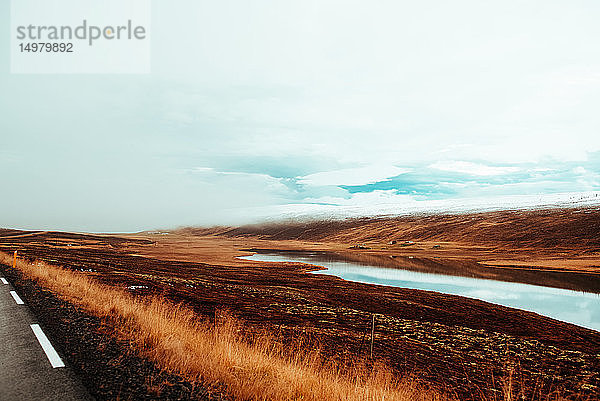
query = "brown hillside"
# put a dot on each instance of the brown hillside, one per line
(551, 228)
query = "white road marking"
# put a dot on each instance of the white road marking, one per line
(17, 298)
(51, 353)
(3, 280)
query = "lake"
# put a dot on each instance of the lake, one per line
(581, 308)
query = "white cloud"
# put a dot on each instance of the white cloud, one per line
(472, 168)
(353, 176)
(288, 88)
(235, 178)
(389, 203)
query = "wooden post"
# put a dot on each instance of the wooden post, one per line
(372, 335)
(15, 260)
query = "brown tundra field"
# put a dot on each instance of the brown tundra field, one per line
(175, 314)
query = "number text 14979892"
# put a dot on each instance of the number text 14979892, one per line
(46, 47)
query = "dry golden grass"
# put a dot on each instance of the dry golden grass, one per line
(216, 353)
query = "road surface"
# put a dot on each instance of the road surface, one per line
(30, 367)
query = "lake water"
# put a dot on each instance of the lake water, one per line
(576, 307)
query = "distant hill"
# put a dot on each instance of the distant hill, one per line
(573, 228)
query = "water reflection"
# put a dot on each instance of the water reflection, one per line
(576, 307)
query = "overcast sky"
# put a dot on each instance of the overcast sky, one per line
(251, 105)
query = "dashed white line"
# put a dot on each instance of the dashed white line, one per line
(17, 298)
(3, 280)
(51, 353)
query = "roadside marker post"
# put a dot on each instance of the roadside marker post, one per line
(372, 335)
(15, 260)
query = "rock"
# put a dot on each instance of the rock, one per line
(359, 246)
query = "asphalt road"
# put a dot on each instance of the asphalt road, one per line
(30, 367)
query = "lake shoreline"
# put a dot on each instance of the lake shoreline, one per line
(569, 306)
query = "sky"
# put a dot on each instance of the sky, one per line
(251, 107)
